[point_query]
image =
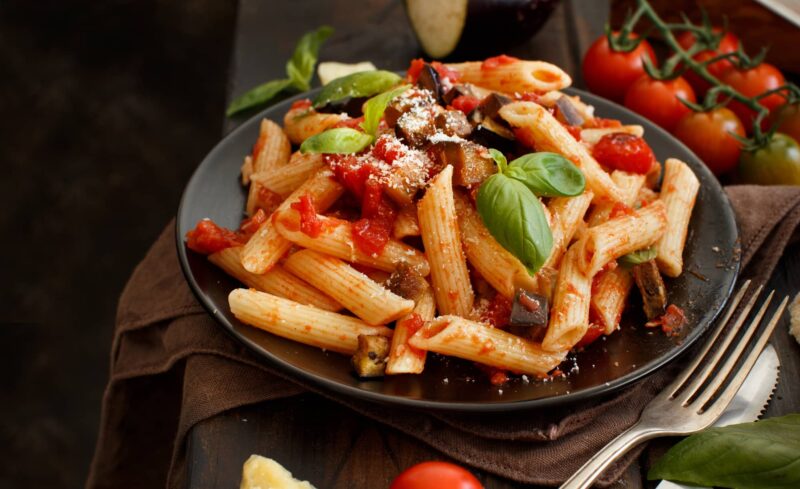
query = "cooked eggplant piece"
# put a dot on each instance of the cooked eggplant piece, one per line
(489, 108)
(493, 136)
(472, 163)
(429, 80)
(371, 355)
(529, 315)
(350, 106)
(407, 176)
(651, 286)
(415, 127)
(567, 112)
(407, 282)
(453, 123)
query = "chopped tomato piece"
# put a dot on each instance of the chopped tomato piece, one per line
(498, 313)
(310, 224)
(495, 61)
(350, 172)
(625, 152)
(599, 123)
(444, 72)
(350, 122)
(415, 69)
(465, 103)
(207, 238)
(574, 131)
(388, 149)
(301, 104)
(250, 225)
(595, 331)
(671, 322)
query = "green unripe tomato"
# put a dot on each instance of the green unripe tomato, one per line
(778, 163)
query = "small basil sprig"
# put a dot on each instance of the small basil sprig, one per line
(509, 207)
(345, 140)
(356, 85)
(637, 257)
(760, 455)
(299, 71)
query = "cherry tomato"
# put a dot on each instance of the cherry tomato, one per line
(708, 135)
(658, 100)
(435, 475)
(728, 44)
(788, 119)
(778, 163)
(753, 82)
(626, 152)
(609, 73)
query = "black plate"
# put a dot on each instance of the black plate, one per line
(214, 191)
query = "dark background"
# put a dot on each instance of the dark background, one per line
(106, 108)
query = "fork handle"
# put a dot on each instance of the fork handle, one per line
(591, 470)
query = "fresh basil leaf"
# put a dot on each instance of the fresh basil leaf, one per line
(760, 455)
(361, 84)
(376, 106)
(500, 159)
(516, 219)
(637, 257)
(340, 140)
(548, 174)
(258, 95)
(300, 68)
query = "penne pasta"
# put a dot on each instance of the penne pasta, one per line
(622, 235)
(440, 234)
(270, 152)
(267, 246)
(336, 239)
(285, 180)
(591, 136)
(518, 76)
(609, 293)
(305, 324)
(470, 340)
(302, 123)
(569, 313)
(628, 184)
(276, 281)
(678, 193)
(545, 133)
(354, 290)
(567, 217)
(404, 358)
(500, 268)
(406, 223)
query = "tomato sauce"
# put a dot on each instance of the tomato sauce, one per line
(350, 122)
(595, 331)
(525, 137)
(495, 61)
(498, 313)
(310, 224)
(444, 72)
(620, 210)
(573, 131)
(671, 322)
(414, 323)
(600, 123)
(249, 226)
(626, 152)
(465, 103)
(301, 104)
(207, 238)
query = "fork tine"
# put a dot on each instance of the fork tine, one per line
(714, 358)
(732, 388)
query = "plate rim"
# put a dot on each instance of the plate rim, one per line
(458, 406)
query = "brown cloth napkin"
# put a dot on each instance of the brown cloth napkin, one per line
(173, 366)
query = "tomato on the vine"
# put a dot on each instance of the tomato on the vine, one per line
(436, 475)
(708, 134)
(609, 73)
(728, 44)
(753, 82)
(658, 100)
(788, 119)
(778, 163)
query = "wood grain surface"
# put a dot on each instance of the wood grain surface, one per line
(317, 439)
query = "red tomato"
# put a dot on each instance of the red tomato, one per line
(435, 475)
(444, 72)
(498, 313)
(788, 119)
(753, 82)
(595, 331)
(609, 73)
(625, 152)
(494, 62)
(465, 103)
(208, 238)
(658, 100)
(310, 223)
(708, 134)
(728, 44)
(249, 226)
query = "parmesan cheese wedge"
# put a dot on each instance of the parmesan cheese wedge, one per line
(331, 70)
(264, 473)
(794, 318)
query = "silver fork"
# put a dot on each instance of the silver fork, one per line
(699, 395)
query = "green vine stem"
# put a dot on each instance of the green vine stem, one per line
(720, 94)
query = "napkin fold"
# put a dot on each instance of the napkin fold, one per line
(172, 366)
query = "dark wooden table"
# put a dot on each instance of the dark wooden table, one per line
(315, 438)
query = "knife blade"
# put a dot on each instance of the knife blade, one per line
(751, 400)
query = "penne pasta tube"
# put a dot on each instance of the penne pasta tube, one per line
(545, 133)
(357, 292)
(517, 76)
(305, 324)
(440, 234)
(567, 216)
(404, 358)
(569, 313)
(470, 340)
(500, 268)
(336, 239)
(271, 151)
(678, 193)
(276, 281)
(267, 246)
(406, 223)
(285, 180)
(628, 184)
(302, 123)
(592, 135)
(623, 235)
(609, 293)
